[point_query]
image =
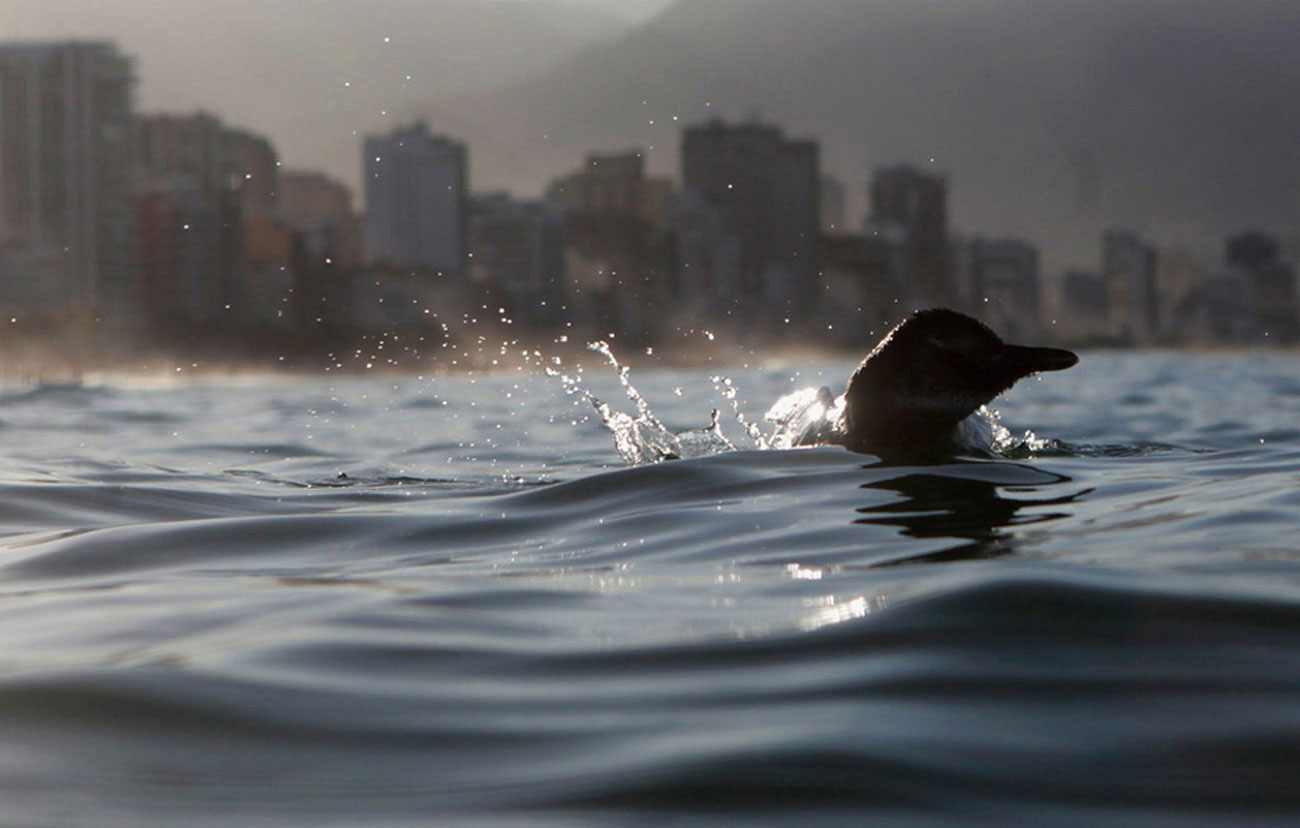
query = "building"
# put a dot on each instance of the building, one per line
(270, 270)
(614, 185)
(1251, 250)
(182, 151)
(1084, 305)
(1273, 281)
(320, 208)
(212, 249)
(66, 172)
(1178, 274)
(859, 296)
(766, 192)
(708, 254)
(834, 202)
(382, 299)
(619, 265)
(253, 165)
(518, 253)
(1129, 267)
(201, 152)
(1222, 308)
(657, 195)
(913, 205)
(1002, 285)
(605, 184)
(189, 245)
(416, 187)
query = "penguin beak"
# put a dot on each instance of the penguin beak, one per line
(1023, 361)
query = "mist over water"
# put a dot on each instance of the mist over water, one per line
(396, 600)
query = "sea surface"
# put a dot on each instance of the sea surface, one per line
(416, 601)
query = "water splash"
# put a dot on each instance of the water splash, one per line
(1003, 442)
(805, 417)
(704, 441)
(728, 390)
(642, 407)
(644, 439)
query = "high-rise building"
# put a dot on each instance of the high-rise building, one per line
(519, 254)
(189, 243)
(416, 188)
(200, 151)
(914, 206)
(212, 249)
(766, 190)
(66, 171)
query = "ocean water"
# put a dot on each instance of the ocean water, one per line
(406, 601)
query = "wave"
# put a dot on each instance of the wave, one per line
(1023, 695)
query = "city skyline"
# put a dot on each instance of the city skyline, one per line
(1184, 137)
(176, 220)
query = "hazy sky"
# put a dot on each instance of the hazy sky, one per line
(630, 9)
(314, 75)
(27, 18)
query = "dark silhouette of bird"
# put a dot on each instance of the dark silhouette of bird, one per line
(926, 376)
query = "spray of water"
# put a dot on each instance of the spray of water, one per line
(643, 411)
(728, 390)
(796, 419)
(643, 438)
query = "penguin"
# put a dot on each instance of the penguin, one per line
(912, 392)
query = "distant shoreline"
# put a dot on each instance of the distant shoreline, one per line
(29, 358)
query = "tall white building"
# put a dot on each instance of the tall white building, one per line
(66, 177)
(416, 200)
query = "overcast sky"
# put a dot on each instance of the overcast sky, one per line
(630, 9)
(314, 75)
(36, 19)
